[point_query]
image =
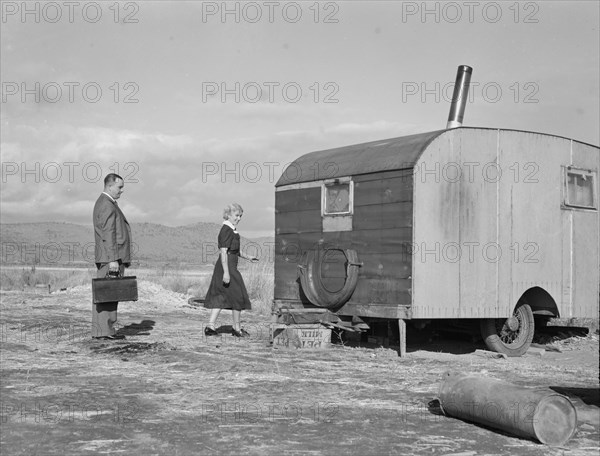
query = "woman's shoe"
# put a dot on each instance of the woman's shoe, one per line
(240, 333)
(208, 331)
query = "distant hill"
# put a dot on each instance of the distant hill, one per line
(69, 244)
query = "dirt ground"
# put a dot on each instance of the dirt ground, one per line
(168, 390)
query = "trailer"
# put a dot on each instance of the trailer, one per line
(497, 225)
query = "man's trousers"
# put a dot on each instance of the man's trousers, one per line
(104, 315)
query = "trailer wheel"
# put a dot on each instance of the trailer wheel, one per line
(511, 336)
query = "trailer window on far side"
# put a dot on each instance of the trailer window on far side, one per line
(337, 198)
(337, 201)
(580, 189)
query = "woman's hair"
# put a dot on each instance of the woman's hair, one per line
(233, 207)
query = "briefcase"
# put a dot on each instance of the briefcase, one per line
(114, 289)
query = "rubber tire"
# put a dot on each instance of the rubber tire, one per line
(310, 280)
(510, 343)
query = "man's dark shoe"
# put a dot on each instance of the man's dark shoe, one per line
(210, 332)
(241, 333)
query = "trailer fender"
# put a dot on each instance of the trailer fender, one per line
(310, 278)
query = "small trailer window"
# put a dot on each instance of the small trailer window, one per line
(580, 188)
(337, 197)
(337, 204)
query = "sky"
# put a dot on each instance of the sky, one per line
(199, 104)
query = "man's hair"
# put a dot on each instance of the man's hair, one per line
(110, 178)
(233, 207)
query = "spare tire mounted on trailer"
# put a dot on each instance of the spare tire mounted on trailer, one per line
(311, 277)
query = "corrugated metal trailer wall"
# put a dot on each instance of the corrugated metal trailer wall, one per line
(586, 234)
(489, 225)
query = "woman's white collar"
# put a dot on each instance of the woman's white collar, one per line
(230, 225)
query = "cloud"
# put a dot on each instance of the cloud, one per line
(379, 126)
(11, 151)
(56, 172)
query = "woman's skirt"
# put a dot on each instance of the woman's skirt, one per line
(232, 296)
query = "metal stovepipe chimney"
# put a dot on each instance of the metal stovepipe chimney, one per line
(459, 97)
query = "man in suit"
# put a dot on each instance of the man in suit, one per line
(113, 251)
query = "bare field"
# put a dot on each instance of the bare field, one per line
(169, 390)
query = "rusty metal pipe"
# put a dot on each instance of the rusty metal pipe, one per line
(459, 97)
(537, 413)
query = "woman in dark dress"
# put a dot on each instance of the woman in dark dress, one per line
(227, 289)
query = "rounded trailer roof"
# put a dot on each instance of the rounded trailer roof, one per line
(376, 156)
(382, 155)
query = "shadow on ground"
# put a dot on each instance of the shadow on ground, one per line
(590, 396)
(137, 329)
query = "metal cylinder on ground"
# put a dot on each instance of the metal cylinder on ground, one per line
(536, 413)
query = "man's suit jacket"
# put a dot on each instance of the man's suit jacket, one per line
(111, 231)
